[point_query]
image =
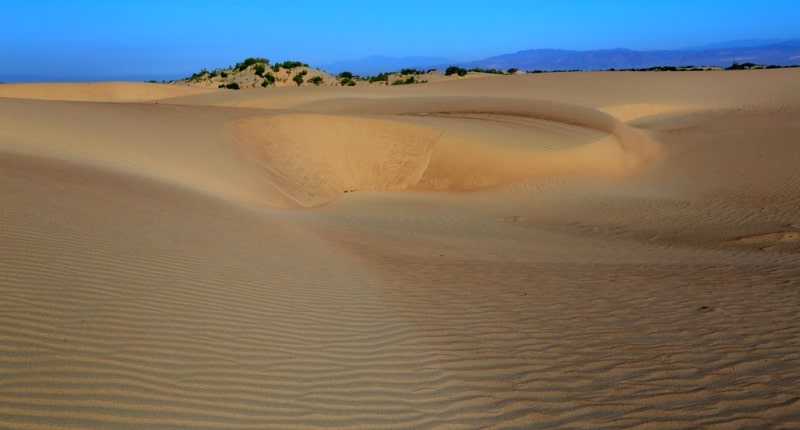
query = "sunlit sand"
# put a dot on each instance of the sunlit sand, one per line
(585, 250)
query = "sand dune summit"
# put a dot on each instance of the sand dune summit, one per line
(584, 250)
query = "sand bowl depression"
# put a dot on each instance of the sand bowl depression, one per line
(313, 158)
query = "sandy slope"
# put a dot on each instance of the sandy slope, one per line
(96, 91)
(592, 250)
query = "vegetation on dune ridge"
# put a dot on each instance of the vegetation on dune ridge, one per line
(255, 72)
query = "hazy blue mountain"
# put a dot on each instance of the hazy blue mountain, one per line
(378, 63)
(781, 53)
(737, 44)
(760, 51)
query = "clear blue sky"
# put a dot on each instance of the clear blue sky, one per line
(164, 39)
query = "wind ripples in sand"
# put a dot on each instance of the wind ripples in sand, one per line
(149, 279)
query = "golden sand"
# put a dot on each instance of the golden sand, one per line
(585, 250)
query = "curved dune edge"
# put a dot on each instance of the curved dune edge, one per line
(314, 158)
(97, 91)
(632, 111)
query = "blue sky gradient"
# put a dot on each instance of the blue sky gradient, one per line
(148, 39)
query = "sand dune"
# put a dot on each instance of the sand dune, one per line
(96, 91)
(590, 250)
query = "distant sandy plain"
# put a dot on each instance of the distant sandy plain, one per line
(583, 250)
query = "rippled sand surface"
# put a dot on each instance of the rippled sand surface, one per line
(584, 250)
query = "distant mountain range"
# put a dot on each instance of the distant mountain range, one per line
(781, 54)
(766, 52)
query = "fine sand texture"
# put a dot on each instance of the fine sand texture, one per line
(565, 250)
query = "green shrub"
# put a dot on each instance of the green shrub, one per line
(512, 70)
(480, 70)
(345, 75)
(298, 78)
(232, 86)
(454, 70)
(269, 79)
(198, 76)
(409, 80)
(410, 72)
(743, 66)
(316, 80)
(260, 69)
(292, 64)
(250, 62)
(380, 77)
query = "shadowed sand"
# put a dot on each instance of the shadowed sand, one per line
(591, 250)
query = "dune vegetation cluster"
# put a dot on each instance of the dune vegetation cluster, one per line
(256, 72)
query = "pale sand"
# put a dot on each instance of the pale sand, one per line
(591, 250)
